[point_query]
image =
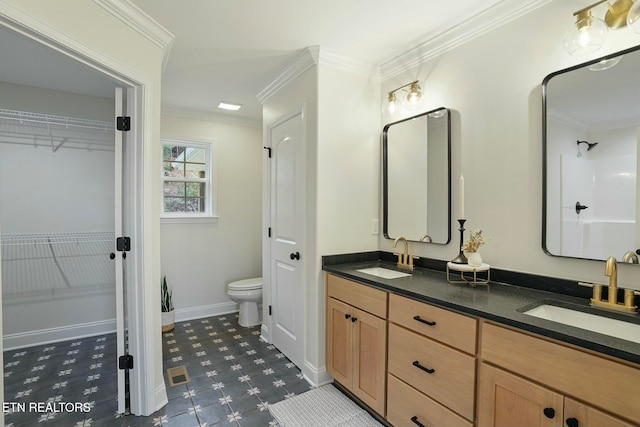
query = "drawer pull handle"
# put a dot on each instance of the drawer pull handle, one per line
(414, 420)
(419, 366)
(572, 422)
(549, 412)
(426, 322)
(347, 316)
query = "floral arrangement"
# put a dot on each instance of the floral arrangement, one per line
(476, 239)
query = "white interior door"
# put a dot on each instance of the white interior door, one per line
(120, 253)
(287, 258)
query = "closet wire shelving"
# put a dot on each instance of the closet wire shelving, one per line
(55, 132)
(50, 264)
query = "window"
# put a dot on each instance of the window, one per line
(187, 175)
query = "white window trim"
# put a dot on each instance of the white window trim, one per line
(211, 214)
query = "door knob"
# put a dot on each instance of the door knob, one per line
(295, 256)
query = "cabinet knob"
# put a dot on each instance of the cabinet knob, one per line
(549, 412)
(295, 256)
(414, 420)
(572, 422)
(346, 316)
(354, 319)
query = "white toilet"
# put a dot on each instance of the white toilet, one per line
(247, 293)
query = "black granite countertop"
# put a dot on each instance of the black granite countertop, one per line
(499, 302)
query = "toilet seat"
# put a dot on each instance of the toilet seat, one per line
(246, 284)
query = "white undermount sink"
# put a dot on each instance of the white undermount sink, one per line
(384, 273)
(591, 322)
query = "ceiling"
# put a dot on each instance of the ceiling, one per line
(230, 50)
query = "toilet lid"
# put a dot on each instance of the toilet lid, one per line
(247, 284)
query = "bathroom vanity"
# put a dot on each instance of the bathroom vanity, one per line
(422, 352)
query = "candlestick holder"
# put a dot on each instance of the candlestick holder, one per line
(461, 259)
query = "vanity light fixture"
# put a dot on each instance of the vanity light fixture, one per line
(589, 33)
(411, 100)
(229, 106)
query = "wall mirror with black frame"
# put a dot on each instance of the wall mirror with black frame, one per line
(591, 131)
(417, 178)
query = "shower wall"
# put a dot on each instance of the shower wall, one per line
(56, 218)
(607, 227)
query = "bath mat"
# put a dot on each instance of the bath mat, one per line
(324, 406)
(178, 375)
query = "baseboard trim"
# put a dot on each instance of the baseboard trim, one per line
(191, 313)
(264, 333)
(62, 333)
(316, 376)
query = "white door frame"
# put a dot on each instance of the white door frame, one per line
(144, 335)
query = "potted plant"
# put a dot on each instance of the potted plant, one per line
(168, 311)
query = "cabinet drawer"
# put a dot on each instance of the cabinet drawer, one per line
(450, 328)
(452, 379)
(363, 297)
(596, 380)
(405, 402)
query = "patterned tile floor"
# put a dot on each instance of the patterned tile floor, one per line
(234, 376)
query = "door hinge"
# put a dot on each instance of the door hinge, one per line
(123, 244)
(268, 151)
(269, 232)
(125, 362)
(123, 123)
(269, 310)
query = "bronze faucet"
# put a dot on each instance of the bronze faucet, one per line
(405, 260)
(630, 256)
(611, 270)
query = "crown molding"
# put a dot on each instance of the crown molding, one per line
(209, 116)
(348, 64)
(306, 58)
(142, 23)
(482, 23)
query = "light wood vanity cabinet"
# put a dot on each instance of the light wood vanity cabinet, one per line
(522, 379)
(432, 365)
(357, 339)
(529, 381)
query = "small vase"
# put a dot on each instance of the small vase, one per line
(474, 259)
(168, 320)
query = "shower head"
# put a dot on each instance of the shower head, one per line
(590, 145)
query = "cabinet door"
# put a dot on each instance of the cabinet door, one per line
(577, 414)
(339, 341)
(506, 400)
(370, 358)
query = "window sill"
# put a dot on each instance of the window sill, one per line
(188, 220)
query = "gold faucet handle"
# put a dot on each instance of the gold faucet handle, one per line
(411, 258)
(629, 298)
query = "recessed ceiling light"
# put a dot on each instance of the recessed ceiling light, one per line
(229, 106)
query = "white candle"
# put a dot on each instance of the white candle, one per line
(462, 197)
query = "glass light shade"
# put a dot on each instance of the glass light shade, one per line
(391, 105)
(586, 36)
(413, 99)
(633, 17)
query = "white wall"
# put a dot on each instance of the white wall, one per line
(201, 258)
(493, 85)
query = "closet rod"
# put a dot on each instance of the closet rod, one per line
(48, 119)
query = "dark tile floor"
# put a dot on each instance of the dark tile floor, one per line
(234, 376)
